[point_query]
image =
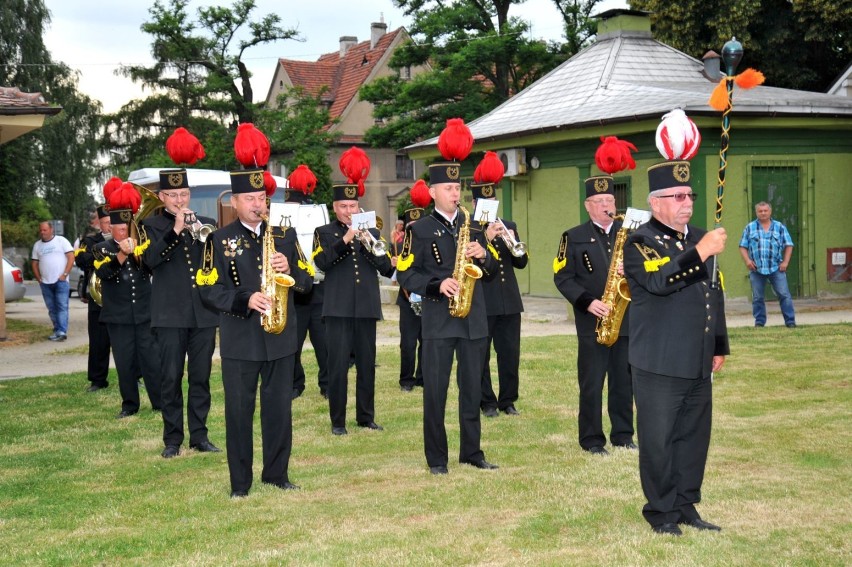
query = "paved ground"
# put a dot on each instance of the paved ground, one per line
(543, 317)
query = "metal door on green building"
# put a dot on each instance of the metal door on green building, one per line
(779, 186)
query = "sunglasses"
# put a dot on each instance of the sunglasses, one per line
(680, 197)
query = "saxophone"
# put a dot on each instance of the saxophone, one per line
(464, 272)
(616, 292)
(274, 285)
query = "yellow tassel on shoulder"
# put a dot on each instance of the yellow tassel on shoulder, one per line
(559, 264)
(307, 267)
(404, 262)
(206, 279)
(317, 250)
(141, 248)
(654, 265)
(99, 263)
(78, 251)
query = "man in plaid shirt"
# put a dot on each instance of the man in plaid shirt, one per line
(766, 248)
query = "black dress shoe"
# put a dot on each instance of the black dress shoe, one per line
(239, 493)
(95, 387)
(205, 447)
(511, 411)
(371, 425)
(440, 469)
(170, 451)
(597, 450)
(490, 412)
(629, 445)
(480, 464)
(338, 431)
(700, 524)
(324, 394)
(124, 413)
(284, 485)
(296, 393)
(406, 387)
(668, 529)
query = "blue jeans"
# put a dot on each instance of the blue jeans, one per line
(56, 300)
(778, 280)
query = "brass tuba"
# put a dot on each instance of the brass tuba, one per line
(616, 292)
(464, 272)
(274, 285)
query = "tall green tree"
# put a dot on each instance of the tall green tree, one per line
(57, 162)
(579, 25)
(797, 44)
(199, 80)
(477, 56)
(299, 130)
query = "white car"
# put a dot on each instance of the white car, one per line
(13, 282)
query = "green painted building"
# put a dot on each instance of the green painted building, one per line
(791, 148)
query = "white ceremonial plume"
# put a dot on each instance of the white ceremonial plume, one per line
(677, 136)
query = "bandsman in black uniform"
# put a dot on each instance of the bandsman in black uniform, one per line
(426, 267)
(352, 303)
(410, 331)
(308, 305)
(580, 269)
(502, 297)
(126, 293)
(185, 328)
(98, 363)
(678, 339)
(232, 285)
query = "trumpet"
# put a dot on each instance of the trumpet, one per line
(516, 247)
(377, 247)
(198, 231)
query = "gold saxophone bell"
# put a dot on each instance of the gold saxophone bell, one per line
(94, 289)
(464, 272)
(273, 284)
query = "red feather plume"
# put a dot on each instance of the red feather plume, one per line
(125, 197)
(269, 184)
(613, 155)
(455, 141)
(355, 165)
(303, 179)
(420, 194)
(111, 185)
(489, 170)
(251, 147)
(184, 148)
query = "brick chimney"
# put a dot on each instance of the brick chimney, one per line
(346, 43)
(377, 30)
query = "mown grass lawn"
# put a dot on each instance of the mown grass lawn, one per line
(78, 487)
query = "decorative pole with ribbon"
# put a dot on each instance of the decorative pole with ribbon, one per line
(722, 99)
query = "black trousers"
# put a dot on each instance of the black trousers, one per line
(135, 354)
(438, 358)
(239, 378)
(594, 362)
(348, 335)
(505, 332)
(673, 417)
(195, 347)
(98, 367)
(410, 347)
(309, 320)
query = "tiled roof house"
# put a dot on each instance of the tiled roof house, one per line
(343, 72)
(793, 148)
(22, 112)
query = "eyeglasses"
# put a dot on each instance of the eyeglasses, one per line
(679, 197)
(601, 201)
(176, 195)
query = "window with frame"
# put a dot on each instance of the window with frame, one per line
(404, 167)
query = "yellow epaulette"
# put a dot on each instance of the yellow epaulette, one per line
(654, 265)
(99, 263)
(78, 251)
(307, 267)
(141, 248)
(206, 279)
(404, 262)
(317, 250)
(559, 264)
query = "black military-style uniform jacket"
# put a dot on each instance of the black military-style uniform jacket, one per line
(677, 320)
(125, 288)
(351, 283)
(174, 260)
(581, 269)
(428, 258)
(238, 262)
(502, 294)
(85, 260)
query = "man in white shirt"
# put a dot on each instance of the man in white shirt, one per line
(52, 258)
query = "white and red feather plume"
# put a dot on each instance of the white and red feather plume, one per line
(678, 136)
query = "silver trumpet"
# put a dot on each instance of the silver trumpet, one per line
(377, 247)
(198, 231)
(516, 247)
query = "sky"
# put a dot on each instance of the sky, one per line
(96, 37)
